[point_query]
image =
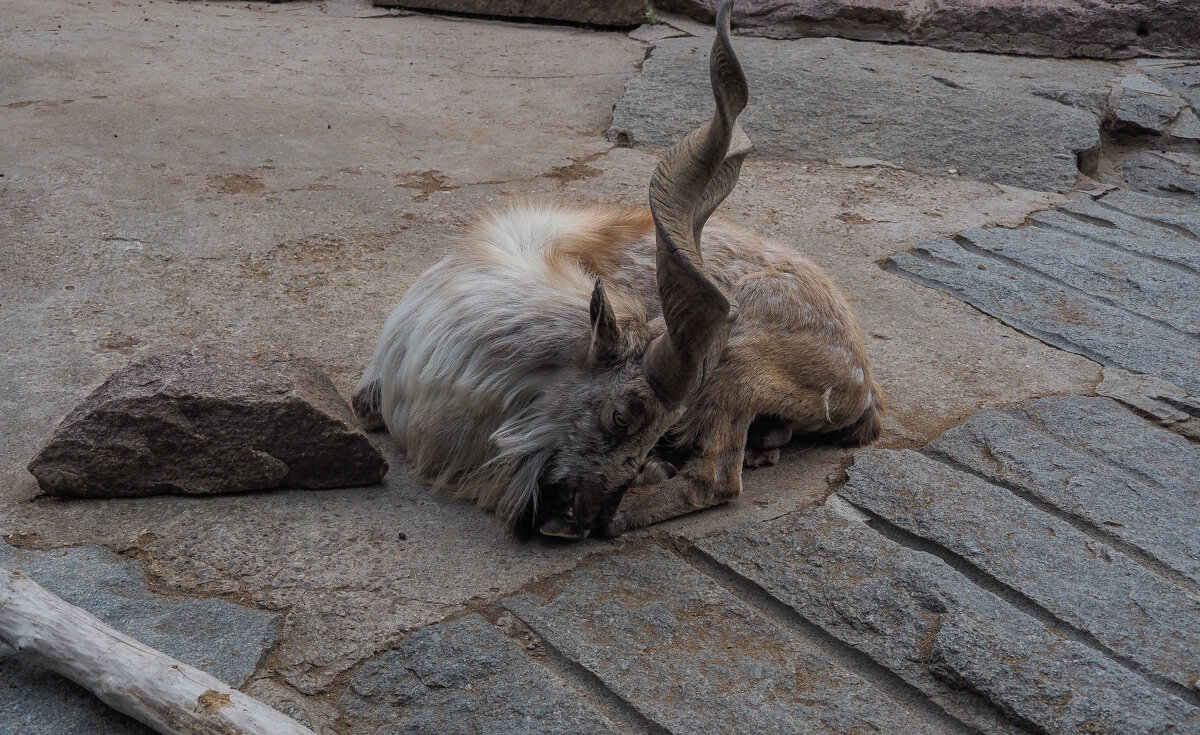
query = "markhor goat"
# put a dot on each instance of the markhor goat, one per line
(556, 364)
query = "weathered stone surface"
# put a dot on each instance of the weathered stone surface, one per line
(221, 638)
(1181, 78)
(1093, 459)
(1146, 112)
(1054, 312)
(1187, 125)
(651, 32)
(1013, 120)
(695, 659)
(1165, 402)
(1085, 583)
(1040, 27)
(910, 612)
(1056, 685)
(1173, 174)
(1106, 222)
(465, 677)
(207, 421)
(1150, 288)
(1172, 213)
(598, 12)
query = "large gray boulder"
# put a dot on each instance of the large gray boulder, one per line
(204, 420)
(596, 12)
(1112, 30)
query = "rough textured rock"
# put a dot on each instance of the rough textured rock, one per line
(694, 659)
(204, 421)
(1024, 122)
(465, 677)
(1128, 609)
(597, 12)
(1053, 312)
(973, 654)
(1142, 490)
(1106, 221)
(1145, 107)
(1112, 280)
(1182, 78)
(1038, 27)
(221, 638)
(1160, 172)
(1178, 217)
(1149, 288)
(1165, 402)
(1187, 126)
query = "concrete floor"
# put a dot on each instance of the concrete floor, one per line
(274, 176)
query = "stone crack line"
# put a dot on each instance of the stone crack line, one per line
(845, 655)
(1080, 524)
(1111, 245)
(1021, 602)
(1056, 341)
(983, 252)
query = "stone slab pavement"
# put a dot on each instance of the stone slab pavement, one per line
(1028, 571)
(1032, 123)
(274, 175)
(226, 640)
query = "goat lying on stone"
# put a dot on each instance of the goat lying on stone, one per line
(549, 367)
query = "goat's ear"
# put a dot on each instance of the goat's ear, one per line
(606, 337)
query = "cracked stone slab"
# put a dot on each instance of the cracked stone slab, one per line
(1113, 280)
(1158, 291)
(1017, 121)
(1054, 312)
(1183, 79)
(223, 639)
(1088, 584)
(694, 659)
(1146, 112)
(986, 663)
(1094, 459)
(1165, 402)
(465, 677)
(1106, 222)
(1179, 215)
(1164, 172)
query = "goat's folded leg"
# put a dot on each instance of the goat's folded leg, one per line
(711, 477)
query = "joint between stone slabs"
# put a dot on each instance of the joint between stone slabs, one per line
(967, 244)
(843, 654)
(1021, 602)
(1083, 525)
(1097, 222)
(1181, 231)
(622, 713)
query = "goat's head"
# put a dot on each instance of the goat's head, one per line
(634, 387)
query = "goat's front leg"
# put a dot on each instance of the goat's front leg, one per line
(711, 477)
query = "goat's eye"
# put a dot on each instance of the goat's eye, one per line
(619, 420)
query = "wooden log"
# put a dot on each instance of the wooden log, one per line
(124, 673)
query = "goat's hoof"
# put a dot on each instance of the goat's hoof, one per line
(761, 457)
(614, 528)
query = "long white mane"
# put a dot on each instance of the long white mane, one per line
(467, 354)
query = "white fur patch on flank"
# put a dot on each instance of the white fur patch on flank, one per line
(857, 374)
(825, 399)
